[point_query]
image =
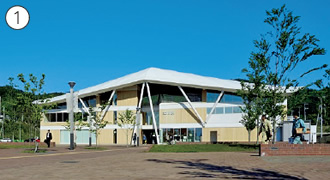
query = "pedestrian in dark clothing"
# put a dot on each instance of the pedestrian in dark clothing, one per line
(49, 137)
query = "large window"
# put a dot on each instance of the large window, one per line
(180, 135)
(88, 101)
(61, 106)
(104, 98)
(229, 98)
(198, 134)
(168, 94)
(225, 110)
(63, 117)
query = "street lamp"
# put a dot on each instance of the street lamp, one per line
(71, 84)
(138, 111)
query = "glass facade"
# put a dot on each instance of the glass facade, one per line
(225, 110)
(148, 118)
(104, 98)
(180, 135)
(63, 117)
(229, 98)
(89, 102)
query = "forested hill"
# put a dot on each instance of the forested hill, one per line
(4, 93)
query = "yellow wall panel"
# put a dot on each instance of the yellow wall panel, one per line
(204, 96)
(229, 134)
(105, 136)
(109, 117)
(170, 116)
(122, 138)
(127, 97)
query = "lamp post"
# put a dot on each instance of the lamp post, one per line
(138, 111)
(71, 84)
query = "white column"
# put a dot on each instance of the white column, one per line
(85, 107)
(108, 104)
(214, 106)
(137, 116)
(152, 112)
(194, 109)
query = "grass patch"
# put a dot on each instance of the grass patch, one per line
(17, 146)
(32, 151)
(205, 148)
(96, 148)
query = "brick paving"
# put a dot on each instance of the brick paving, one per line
(134, 163)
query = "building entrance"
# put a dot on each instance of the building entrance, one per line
(150, 135)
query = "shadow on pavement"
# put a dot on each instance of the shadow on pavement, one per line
(197, 169)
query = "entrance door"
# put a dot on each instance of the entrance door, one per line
(150, 135)
(214, 137)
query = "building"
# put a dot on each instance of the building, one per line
(169, 106)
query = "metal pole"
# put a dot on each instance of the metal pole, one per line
(90, 137)
(20, 128)
(71, 116)
(3, 120)
(305, 112)
(321, 117)
(137, 140)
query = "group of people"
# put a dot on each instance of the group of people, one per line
(266, 129)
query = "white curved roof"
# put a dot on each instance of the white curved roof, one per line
(158, 76)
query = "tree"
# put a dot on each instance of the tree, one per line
(126, 120)
(28, 101)
(97, 122)
(12, 115)
(252, 92)
(283, 49)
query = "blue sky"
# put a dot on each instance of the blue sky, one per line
(91, 42)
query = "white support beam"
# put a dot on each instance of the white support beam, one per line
(138, 111)
(214, 106)
(85, 107)
(108, 105)
(153, 114)
(194, 109)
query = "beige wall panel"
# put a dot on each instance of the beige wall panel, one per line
(55, 134)
(121, 136)
(229, 134)
(204, 95)
(181, 116)
(53, 123)
(109, 117)
(127, 98)
(105, 137)
(98, 100)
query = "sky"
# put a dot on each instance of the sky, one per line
(91, 42)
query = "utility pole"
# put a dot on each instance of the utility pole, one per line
(71, 115)
(305, 108)
(138, 112)
(1, 120)
(20, 128)
(321, 117)
(90, 128)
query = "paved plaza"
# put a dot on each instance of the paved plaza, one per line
(135, 163)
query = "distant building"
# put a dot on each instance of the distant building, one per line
(182, 105)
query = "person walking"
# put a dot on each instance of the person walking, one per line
(49, 137)
(265, 130)
(297, 123)
(144, 139)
